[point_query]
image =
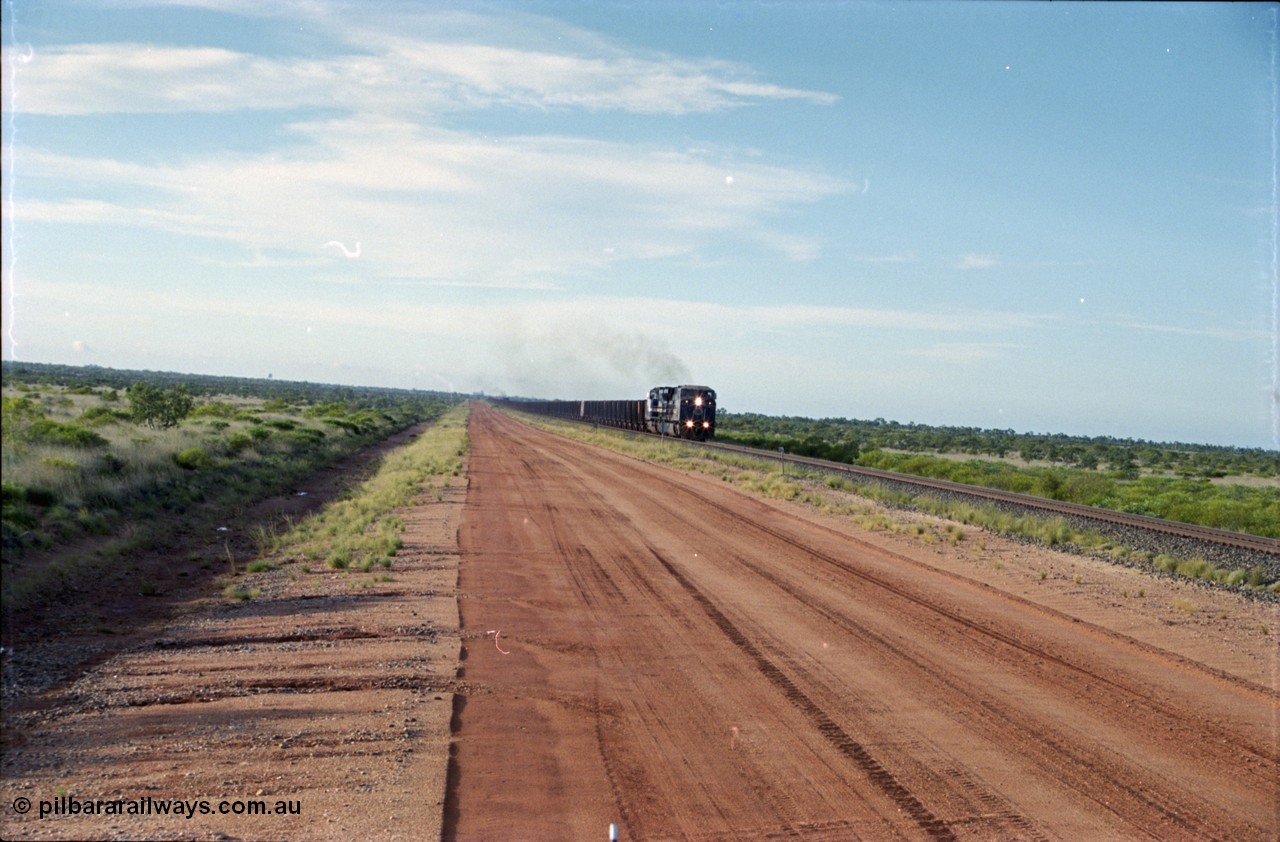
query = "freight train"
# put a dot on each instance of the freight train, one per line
(687, 412)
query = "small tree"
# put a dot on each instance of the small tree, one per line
(18, 415)
(159, 408)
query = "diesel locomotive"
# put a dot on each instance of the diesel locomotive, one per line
(687, 411)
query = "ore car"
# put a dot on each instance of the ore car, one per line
(683, 411)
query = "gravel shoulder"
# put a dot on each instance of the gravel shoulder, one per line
(327, 697)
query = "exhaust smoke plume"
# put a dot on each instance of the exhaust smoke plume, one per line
(586, 361)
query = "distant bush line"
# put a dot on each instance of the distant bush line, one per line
(120, 457)
(1171, 481)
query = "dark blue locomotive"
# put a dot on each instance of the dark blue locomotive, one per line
(687, 412)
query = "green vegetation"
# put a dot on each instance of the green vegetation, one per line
(362, 530)
(776, 480)
(77, 466)
(851, 437)
(159, 408)
(1175, 482)
(194, 458)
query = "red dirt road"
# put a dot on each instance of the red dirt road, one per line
(662, 652)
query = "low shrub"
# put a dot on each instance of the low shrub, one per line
(193, 458)
(48, 431)
(240, 593)
(101, 415)
(339, 558)
(238, 441)
(216, 409)
(344, 424)
(304, 436)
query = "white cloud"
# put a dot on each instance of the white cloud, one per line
(965, 352)
(86, 211)
(126, 78)
(908, 257)
(439, 205)
(442, 205)
(562, 313)
(977, 261)
(1228, 334)
(380, 71)
(805, 317)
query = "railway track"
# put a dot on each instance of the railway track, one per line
(1190, 531)
(1266, 547)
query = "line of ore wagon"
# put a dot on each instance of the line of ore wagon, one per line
(682, 411)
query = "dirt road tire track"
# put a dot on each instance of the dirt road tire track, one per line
(692, 663)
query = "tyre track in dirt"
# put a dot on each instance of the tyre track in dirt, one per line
(982, 634)
(997, 818)
(1184, 814)
(665, 784)
(1225, 744)
(828, 727)
(691, 663)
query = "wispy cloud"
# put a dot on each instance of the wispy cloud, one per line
(469, 319)
(92, 211)
(1239, 334)
(965, 352)
(805, 317)
(907, 257)
(381, 72)
(441, 204)
(437, 204)
(128, 78)
(977, 261)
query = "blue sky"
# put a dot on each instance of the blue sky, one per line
(1045, 217)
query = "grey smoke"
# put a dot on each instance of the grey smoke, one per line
(585, 361)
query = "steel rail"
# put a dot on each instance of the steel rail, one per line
(1222, 537)
(1226, 537)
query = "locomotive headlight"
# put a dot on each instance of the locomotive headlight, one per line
(706, 425)
(689, 423)
(697, 401)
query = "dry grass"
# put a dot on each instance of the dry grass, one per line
(773, 479)
(362, 530)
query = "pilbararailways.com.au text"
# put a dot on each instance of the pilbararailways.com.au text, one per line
(69, 805)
